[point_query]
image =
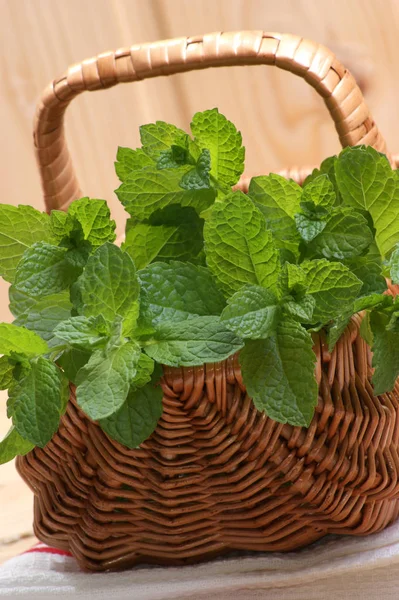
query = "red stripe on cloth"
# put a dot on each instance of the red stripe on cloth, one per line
(48, 550)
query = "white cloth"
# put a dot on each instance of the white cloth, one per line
(335, 568)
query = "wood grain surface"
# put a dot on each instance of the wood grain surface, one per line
(283, 122)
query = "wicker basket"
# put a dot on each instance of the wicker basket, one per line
(217, 475)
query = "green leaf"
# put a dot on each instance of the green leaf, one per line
(239, 248)
(368, 269)
(60, 225)
(214, 132)
(193, 342)
(18, 340)
(346, 235)
(394, 265)
(177, 291)
(372, 301)
(385, 353)
(13, 445)
(20, 227)
(319, 190)
(6, 372)
(159, 136)
(279, 201)
(20, 303)
(198, 178)
(83, 332)
(174, 157)
(44, 270)
(179, 237)
(135, 421)
(365, 330)
(71, 361)
(301, 309)
(278, 373)
(292, 280)
(103, 383)
(145, 369)
(308, 228)
(44, 314)
(332, 285)
(393, 324)
(109, 286)
(144, 192)
(94, 218)
(252, 313)
(131, 160)
(327, 167)
(366, 181)
(337, 328)
(37, 403)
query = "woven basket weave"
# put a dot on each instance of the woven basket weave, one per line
(217, 475)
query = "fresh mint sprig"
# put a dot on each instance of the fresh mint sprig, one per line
(204, 272)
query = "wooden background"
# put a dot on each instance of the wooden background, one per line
(283, 122)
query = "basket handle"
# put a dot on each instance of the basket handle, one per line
(311, 61)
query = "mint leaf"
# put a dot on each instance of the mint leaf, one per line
(109, 286)
(198, 177)
(372, 301)
(6, 372)
(319, 190)
(174, 157)
(332, 285)
(278, 373)
(44, 314)
(71, 361)
(214, 132)
(36, 402)
(159, 136)
(131, 160)
(179, 237)
(366, 181)
(239, 248)
(394, 265)
(308, 228)
(137, 418)
(103, 383)
(385, 353)
(83, 332)
(368, 269)
(365, 330)
(18, 340)
(193, 342)
(337, 328)
(144, 192)
(292, 279)
(177, 291)
(301, 309)
(13, 445)
(20, 227)
(94, 218)
(327, 167)
(60, 225)
(279, 200)
(44, 270)
(20, 303)
(346, 234)
(252, 313)
(145, 369)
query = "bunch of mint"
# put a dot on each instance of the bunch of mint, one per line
(204, 272)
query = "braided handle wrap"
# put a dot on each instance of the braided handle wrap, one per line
(311, 61)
